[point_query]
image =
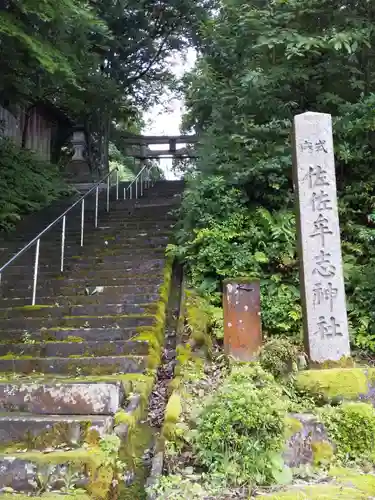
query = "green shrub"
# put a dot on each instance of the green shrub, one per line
(352, 428)
(240, 433)
(251, 374)
(279, 357)
(27, 183)
(216, 322)
(178, 487)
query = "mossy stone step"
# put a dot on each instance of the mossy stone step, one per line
(39, 432)
(46, 496)
(97, 299)
(58, 286)
(67, 334)
(76, 310)
(100, 365)
(85, 321)
(116, 265)
(61, 397)
(339, 384)
(112, 274)
(134, 267)
(76, 348)
(87, 468)
(74, 294)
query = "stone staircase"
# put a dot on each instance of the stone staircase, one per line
(77, 368)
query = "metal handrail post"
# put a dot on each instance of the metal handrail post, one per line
(96, 206)
(131, 191)
(63, 243)
(136, 188)
(124, 193)
(82, 220)
(108, 187)
(36, 265)
(141, 184)
(117, 184)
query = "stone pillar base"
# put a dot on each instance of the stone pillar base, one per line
(78, 171)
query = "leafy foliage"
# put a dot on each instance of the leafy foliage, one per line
(241, 431)
(352, 428)
(279, 357)
(26, 183)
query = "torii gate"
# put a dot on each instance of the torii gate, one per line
(144, 141)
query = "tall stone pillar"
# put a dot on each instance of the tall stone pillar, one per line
(321, 276)
(78, 170)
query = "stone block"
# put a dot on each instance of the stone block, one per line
(308, 442)
(62, 398)
(40, 432)
(82, 468)
(322, 281)
(339, 384)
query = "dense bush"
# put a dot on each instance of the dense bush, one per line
(27, 183)
(240, 432)
(352, 428)
(279, 357)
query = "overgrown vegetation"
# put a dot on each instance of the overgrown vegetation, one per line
(352, 428)
(240, 433)
(27, 183)
(260, 64)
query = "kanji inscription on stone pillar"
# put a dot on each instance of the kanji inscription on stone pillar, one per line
(321, 273)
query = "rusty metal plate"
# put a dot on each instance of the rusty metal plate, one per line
(242, 323)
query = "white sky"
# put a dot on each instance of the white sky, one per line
(165, 119)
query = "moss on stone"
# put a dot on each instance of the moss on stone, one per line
(173, 409)
(346, 484)
(32, 308)
(354, 478)
(344, 362)
(47, 496)
(123, 417)
(293, 425)
(197, 318)
(335, 383)
(72, 338)
(91, 461)
(139, 439)
(323, 452)
(52, 437)
(12, 355)
(316, 492)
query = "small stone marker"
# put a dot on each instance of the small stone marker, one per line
(322, 282)
(242, 325)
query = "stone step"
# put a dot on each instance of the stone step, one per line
(10, 337)
(121, 233)
(111, 257)
(103, 365)
(50, 255)
(76, 293)
(86, 274)
(39, 432)
(77, 348)
(68, 322)
(106, 230)
(72, 286)
(76, 310)
(106, 297)
(23, 473)
(62, 398)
